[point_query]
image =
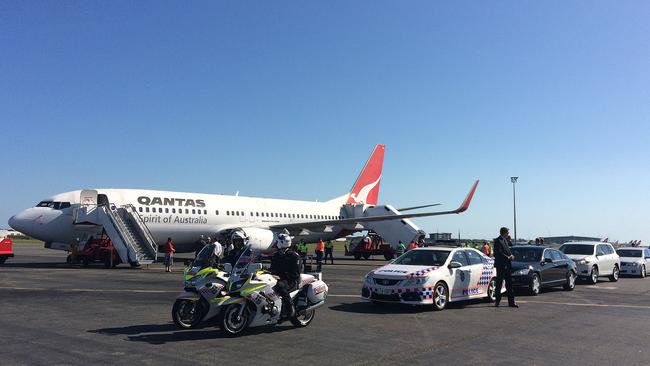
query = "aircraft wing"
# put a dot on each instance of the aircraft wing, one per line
(360, 220)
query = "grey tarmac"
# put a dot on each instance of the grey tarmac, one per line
(54, 314)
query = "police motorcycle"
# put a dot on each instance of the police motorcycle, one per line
(204, 280)
(249, 299)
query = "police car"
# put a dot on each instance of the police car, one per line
(432, 276)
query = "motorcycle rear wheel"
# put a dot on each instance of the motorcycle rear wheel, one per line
(303, 319)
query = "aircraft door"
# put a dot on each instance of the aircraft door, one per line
(88, 197)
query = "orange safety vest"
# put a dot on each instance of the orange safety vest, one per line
(320, 246)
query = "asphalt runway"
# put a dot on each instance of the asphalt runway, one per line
(54, 314)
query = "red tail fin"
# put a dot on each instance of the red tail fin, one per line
(366, 188)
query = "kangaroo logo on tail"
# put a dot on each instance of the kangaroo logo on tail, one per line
(366, 188)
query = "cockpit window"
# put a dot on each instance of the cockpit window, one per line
(54, 205)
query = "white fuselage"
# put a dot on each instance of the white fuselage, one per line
(182, 216)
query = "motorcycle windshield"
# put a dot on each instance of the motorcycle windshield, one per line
(205, 258)
(247, 257)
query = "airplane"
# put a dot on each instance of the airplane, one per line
(186, 216)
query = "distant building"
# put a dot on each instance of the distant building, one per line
(4, 233)
(563, 239)
(439, 236)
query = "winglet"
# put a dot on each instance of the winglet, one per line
(465, 205)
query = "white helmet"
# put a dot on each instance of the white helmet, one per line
(284, 241)
(218, 249)
(239, 235)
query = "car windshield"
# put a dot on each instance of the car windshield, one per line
(577, 249)
(629, 253)
(423, 258)
(526, 254)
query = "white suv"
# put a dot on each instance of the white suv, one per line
(634, 261)
(594, 259)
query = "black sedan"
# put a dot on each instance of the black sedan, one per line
(536, 267)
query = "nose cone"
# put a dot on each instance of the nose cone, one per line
(21, 222)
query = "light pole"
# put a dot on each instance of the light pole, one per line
(514, 206)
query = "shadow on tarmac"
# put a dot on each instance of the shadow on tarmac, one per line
(168, 333)
(365, 307)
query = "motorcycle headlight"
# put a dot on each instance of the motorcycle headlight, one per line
(521, 272)
(235, 286)
(192, 281)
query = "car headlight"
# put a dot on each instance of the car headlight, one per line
(583, 261)
(521, 272)
(635, 264)
(367, 280)
(414, 281)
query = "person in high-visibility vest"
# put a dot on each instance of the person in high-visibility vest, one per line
(320, 249)
(329, 251)
(412, 245)
(401, 248)
(486, 249)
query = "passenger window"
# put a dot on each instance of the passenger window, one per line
(166, 210)
(64, 205)
(555, 255)
(173, 210)
(460, 257)
(140, 209)
(193, 211)
(474, 257)
(187, 211)
(600, 250)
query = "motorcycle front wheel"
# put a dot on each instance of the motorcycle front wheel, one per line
(187, 313)
(232, 324)
(303, 319)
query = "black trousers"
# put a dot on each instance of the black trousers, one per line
(329, 252)
(319, 260)
(283, 288)
(504, 274)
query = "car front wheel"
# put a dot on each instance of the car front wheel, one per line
(593, 278)
(491, 291)
(535, 284)
(615, 273)
(643, 271)
(440, 296)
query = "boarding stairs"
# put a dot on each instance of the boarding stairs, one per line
(130, 236)
(392, 231)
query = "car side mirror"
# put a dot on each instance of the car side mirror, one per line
(227, 267)
(454, 264)
(254, 267)
(548, 260)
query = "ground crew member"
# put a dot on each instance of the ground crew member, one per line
(320, 250)
(302, 248)
(486, 249)
(329, 251)
(412, 245)
(401, 248)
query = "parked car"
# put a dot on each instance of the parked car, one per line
(594, 260)
(432, 276)
(537, 267)
(634, 261)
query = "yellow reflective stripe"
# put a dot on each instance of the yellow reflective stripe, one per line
(191, 298)
(244, 292)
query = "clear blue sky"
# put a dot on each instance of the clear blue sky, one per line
(287, 100)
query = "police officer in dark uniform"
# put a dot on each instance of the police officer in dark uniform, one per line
(503, 262)
(284, 267)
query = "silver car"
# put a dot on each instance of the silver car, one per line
(594, 260)
(634, 261)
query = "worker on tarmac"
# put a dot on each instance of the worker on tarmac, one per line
(486, 249)
(413, 245)
(320, 250)
(329, 251)
(401, 248)
(284, 268)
